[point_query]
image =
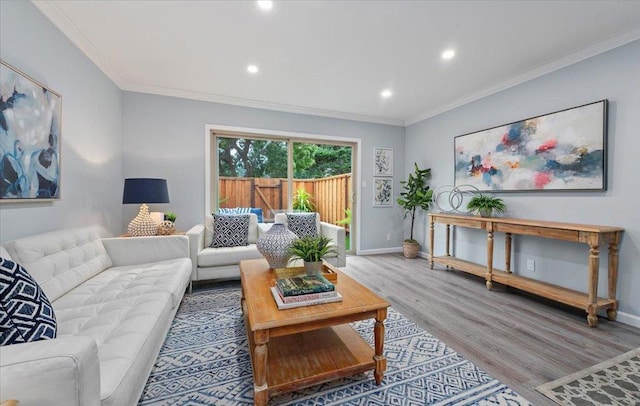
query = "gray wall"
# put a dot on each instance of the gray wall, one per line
(91, 154)
(614, 75)
(164, 137)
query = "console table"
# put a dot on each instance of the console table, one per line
(591, 235)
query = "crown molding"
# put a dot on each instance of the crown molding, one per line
(236, 101)
(59, 18)
(594, 50)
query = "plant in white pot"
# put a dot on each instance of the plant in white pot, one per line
(416, 195)
(486, 205)
(311, 250)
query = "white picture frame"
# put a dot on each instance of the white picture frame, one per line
(382, 161)
(382, 192)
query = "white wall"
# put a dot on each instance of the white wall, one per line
(614, 75)
(91, 153)
(165, 136)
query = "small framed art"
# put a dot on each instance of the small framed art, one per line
(382, 192)
(382, 162)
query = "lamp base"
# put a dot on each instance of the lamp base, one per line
(143, 225)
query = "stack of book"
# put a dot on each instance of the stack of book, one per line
(304, 290)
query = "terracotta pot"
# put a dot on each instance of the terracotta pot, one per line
(410, 249)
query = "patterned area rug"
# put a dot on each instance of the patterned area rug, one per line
(205, 361)
(612, 382)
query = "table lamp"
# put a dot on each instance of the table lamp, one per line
(144, 190)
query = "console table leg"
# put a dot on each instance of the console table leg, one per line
(594, 265)
(431, 232)
(379, 358)
(507, 252)
(489, 258)
(260, 386)
(612, 313)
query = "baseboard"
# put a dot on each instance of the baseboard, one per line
(377, 251)
(629, 319)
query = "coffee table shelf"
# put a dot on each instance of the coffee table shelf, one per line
(296, 348)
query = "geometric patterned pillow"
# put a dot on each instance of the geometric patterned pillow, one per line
(302, 224)
(230, 230)
(25, 312)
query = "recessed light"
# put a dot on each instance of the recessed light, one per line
(252, 69)
(448, 54)
(265, 5)
(386, 93)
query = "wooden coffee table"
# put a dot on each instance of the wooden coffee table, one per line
(296, 348)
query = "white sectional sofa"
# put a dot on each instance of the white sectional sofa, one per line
(114, 300)
(224, 263)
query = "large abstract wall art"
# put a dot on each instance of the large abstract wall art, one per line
(565, 150)
(30, 119)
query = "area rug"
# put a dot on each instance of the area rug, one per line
(612, 382)
(205, 361)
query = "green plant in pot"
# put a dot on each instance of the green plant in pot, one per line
(486, 205)
(311, 250)
(416, 195)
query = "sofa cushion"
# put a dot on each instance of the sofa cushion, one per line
(230, 230)
(125, 331)
(131, 280)
(302, 224)
(61, 260)
(25, 312)
(227, 256)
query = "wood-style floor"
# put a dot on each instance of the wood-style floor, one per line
(520, 339)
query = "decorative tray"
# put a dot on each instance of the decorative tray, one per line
(327, 272)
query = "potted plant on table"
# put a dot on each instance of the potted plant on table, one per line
(486, 205)
(311, 250)
(416, 195)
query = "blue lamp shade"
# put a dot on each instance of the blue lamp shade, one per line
(145, 190)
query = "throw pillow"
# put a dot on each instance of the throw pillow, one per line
(25, 312)
(302, 224)
(230, 230)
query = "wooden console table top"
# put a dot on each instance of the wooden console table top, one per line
(296, 348)
(593, 235)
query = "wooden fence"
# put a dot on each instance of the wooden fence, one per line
(331, 195)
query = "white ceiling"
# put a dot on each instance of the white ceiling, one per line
(333, 58)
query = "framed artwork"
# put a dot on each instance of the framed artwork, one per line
(30, 130)
(561, 151)
(382, 162)
(382, 192)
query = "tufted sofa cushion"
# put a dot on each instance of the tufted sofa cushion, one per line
(123, 330)
(59, 261)
(127, 281)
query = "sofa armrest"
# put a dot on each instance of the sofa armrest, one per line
(63, 371)
(142, 250)
(196, 244)
(337, 235)
(263, 228)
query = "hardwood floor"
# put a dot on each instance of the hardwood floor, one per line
(520, 339)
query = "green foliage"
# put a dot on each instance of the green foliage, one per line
(347, 220)
(485, 205)
(240, 157)
(416, 195)
(311, 249)
(171, 216)
(303, 201)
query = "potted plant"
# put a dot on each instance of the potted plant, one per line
(485, 205)
(311, 250)
(416, 195)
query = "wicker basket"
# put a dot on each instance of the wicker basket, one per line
(166, 227)
(410, 249)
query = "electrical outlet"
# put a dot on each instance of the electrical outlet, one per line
(531, 265)
(388, 237)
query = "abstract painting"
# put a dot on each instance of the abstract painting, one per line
(382, 162)
(565, 150)
(382, 192)
(30, 119)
